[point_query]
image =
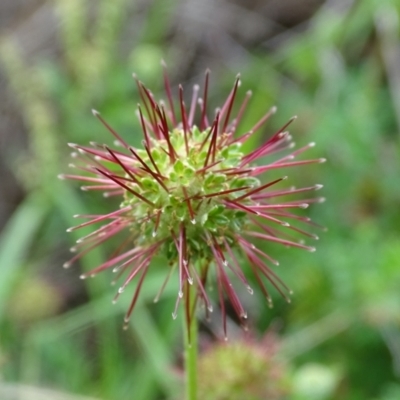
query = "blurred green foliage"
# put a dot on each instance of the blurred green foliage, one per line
(343, 327)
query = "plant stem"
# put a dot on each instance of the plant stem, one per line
(191, 345)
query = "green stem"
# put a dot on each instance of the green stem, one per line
(191, 345)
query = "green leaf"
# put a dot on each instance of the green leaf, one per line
(18, 235)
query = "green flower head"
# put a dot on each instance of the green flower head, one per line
(193, 195)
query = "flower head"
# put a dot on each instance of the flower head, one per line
(192, 194)
(245, 368)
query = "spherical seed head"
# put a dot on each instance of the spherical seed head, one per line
(243, 369)
(192, 195)
(192, 192)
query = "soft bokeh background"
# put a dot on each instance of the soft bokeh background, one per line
(335, 64)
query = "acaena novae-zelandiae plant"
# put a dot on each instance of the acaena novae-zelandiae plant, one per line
(192, 194)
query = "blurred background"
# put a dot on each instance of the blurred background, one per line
(334, 63)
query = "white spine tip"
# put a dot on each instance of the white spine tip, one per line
(180, 294)
(285, 224)
(318, 186)
(250, 290)
(312, 144)
(304, 205)
(315, 237)
(190, 280)
(321, 200)
(72, 249)
(226, 338)
(210, 309)
(114, 301)
(196, 87)
(120, 290)
(193, 221)
(95, 112)
(312, 249)
(322, 160)
(70, 230)
(285, 177)
(174, 315)
(125, 327)
(66, 265)
(83, 276)
(61, 176)
(73, 145)
(274, 109)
